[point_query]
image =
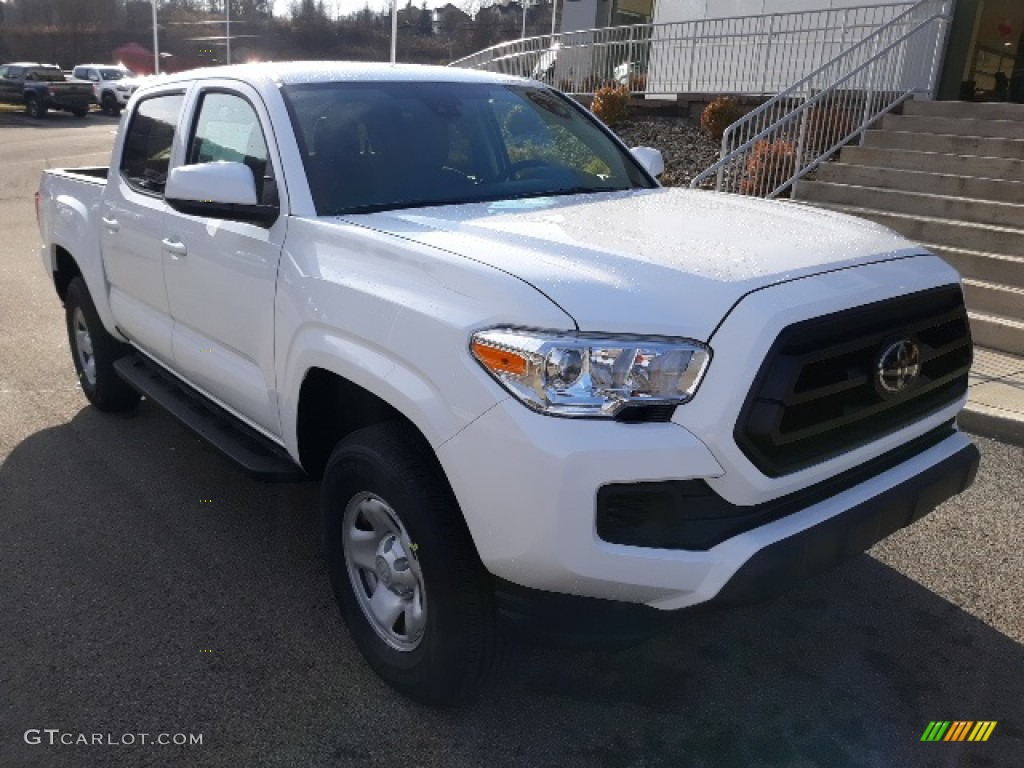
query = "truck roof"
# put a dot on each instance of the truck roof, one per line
(290, 72)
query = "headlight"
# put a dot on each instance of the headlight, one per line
(632, 378)
(122, 88)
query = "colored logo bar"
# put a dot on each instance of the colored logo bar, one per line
(958, 730)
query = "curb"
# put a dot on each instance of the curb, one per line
(997, 423)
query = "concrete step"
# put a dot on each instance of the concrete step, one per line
(951, 144)
(965, 109)
(992, 299)
(984, 267)
(998, 333)
(898, 201)
(999, 129)
(995, 405)
(932, 162)
(955, 234)
(917, 181)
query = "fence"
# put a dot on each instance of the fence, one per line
(787, 137)
(760, 54)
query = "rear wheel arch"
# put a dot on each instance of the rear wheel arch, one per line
(65, 269)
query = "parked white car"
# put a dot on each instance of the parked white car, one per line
(112, 85)
(540, 389)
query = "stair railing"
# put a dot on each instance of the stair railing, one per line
(768, 150)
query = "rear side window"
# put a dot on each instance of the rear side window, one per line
(147, 146)
(228, 129)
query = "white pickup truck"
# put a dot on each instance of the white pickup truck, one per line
(541, 390)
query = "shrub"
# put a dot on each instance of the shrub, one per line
(719, 115)
(611, 103)
(638, 83)
(769, 164)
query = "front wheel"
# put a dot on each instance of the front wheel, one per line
(407, 578)
(95, 351)
(110, 105)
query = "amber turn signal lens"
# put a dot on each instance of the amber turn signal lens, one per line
(500, 360)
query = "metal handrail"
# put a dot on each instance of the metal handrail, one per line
(772, 147)
(754, 54)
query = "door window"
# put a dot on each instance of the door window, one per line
(147, 146)
(228, 129)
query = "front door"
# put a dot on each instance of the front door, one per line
(221, 275)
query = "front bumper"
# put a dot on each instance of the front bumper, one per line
(528, 487)
(788, 561)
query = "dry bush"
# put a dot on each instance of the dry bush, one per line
(769, 164)
(611, 103)
(719, 115)
(638, 83)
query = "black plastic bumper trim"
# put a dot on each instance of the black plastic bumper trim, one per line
(782, 565)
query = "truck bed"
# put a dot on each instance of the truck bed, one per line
(91, 172)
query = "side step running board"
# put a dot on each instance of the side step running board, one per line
(254, 453)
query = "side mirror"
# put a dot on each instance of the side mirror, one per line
(218, 190)
(650, 159)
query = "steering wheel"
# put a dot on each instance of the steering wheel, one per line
(520, 165)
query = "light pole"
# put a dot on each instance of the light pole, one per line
(394, 29)
(523, 36)
(156, 44)
(227, 22)
(554, 12)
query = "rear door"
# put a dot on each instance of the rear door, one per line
(222, 274)
(11, 90)
(132, 218)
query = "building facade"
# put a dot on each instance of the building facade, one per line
(983, 57)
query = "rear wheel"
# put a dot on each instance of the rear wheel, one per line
(34, 108)
(95, 351)
(405, 573)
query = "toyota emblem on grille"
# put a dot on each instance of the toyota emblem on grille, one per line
(898, 367)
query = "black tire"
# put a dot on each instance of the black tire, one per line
(34, 108)
(110, 105)
(458, 646)
(102, 386)
(79, 112)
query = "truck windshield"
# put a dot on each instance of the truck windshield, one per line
(384, 145)
(45, 74)
(115, 74)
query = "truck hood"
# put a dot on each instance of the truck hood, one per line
(661, 261)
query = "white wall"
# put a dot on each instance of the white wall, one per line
(764, 53)
(689, 10)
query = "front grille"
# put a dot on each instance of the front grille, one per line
(816, 395)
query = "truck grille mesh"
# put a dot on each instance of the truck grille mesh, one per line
(817, 394)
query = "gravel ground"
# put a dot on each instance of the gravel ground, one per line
(686, 148)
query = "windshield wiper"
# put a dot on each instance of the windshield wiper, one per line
(561, 192)
(403, 205)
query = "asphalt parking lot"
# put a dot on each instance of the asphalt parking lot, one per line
(147, 586)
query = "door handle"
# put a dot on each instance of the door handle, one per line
(112, 225)
(176, 248)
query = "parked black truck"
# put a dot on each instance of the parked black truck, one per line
(42, 87)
